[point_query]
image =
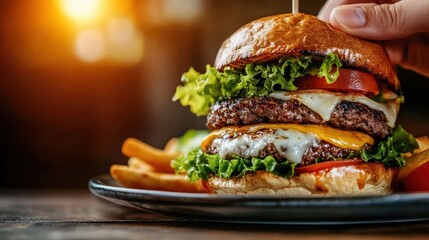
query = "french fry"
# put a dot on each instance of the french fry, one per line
(136, 163)
(159, 159)
(412, 162)
(423, 143)
(145, 179)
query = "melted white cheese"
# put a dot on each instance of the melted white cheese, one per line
(290, 144)
(324, 102)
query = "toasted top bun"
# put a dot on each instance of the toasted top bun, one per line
(271, 38)
(362, 179)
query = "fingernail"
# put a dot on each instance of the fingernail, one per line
(350, 17)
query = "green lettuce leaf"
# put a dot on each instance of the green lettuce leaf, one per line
(390, 150)
(191, 139)
(199, 165)
(325, 69)
(201, 90)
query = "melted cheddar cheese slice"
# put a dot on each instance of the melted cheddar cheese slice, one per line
(341, 138)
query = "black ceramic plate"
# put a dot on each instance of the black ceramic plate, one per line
(268, 209)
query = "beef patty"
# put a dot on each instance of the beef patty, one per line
(322, 151)
(346, 115)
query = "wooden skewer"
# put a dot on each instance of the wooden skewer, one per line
(295, 6)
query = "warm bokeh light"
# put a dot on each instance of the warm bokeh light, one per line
(90, 45)
(106, 31)
(164, 12)
(82, 10)
(124, 41)
(120, 41)
(183, 10)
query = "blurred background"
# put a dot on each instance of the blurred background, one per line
(80, 76)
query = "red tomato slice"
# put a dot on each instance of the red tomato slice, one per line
(326, 165)
(418, 180)
(348, 81)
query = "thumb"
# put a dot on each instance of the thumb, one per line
(382, 22)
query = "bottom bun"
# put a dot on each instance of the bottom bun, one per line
(361, 179)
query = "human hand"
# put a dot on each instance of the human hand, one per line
(403, 26)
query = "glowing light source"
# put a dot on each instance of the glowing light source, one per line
(83, 10)
(90, 45)
(107, 32)
(120, 41)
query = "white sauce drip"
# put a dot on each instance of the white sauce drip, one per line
(324, 102)
(290, 144)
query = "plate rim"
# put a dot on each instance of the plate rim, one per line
(178, 205)
(95, 184)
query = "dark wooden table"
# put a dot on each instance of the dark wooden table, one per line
(43, 214)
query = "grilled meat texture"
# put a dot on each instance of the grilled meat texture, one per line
(346, 115)
(323, 151)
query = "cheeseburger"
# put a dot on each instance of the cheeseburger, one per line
(296, 107)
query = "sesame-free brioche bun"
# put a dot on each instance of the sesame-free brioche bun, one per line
(270, 38)
(361, 179)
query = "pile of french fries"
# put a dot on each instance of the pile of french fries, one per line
(149, 168)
